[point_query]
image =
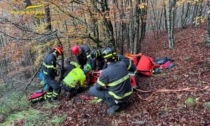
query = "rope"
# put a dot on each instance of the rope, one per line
(187, 89)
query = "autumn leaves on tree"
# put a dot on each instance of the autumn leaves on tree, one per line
(119, 24)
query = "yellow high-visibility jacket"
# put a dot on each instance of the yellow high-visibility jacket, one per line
(75, 77)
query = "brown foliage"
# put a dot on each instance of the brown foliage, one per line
(163, 108)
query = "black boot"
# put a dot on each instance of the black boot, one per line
(54, 99)
(48, 96)
(69, 95)
(113, 109)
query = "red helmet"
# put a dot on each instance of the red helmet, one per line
(59, 49)
(75, 50)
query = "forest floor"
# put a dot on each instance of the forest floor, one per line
(186, 100)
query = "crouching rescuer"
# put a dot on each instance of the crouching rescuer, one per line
(114, 85)
(74, 79)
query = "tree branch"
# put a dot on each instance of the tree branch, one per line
(62, 60)
(67, 13)
(33, 77)
(19, 38)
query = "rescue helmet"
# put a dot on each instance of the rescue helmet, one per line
(109, 54)
(75, 50)
(119, 57)
(59, 49)
(87, 68)
(94, 54)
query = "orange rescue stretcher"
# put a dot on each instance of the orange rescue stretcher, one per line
(144, 64)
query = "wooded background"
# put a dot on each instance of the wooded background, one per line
(122, 24)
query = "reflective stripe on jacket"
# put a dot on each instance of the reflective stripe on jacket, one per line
(74, 77)
(49, 66)
(74, 64)
(115, 77)
(129, 63)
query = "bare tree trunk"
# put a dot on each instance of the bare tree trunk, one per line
(123, 28)
(160, 22)
(208, 28)
(154, 25)
(48, 18)
(131, 27)
(137, 26)
(170, 23)
(140, 25)
(4, 63)
(109, 28)
(115, 25)
(165, 16)
(120, 27)
(195, 9)
(143, 25)
(95, 28)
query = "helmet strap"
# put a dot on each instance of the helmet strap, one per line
(56, 53)
(80, 51)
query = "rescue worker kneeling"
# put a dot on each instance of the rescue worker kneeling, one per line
(74, 79)
(131, 67)
(114, 85)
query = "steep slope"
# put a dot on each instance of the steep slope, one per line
(190, 107)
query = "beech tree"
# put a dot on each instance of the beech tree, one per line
(208, 26)
(121, 24)
(26, 35)
(170, 12)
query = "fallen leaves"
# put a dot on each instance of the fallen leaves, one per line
(175, 88)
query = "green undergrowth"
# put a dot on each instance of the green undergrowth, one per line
(15, 97)
(190, 101)
(58, 120)
(26, 115)
(17, 110)
(12, 102)
(41, 116)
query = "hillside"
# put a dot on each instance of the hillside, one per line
(166, 107)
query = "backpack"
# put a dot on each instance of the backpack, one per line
(162, 60)
(37, 96)
(146, 65)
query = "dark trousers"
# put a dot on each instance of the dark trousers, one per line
(73, 91)
(100, 64)
(53, 85)
(103, 94)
